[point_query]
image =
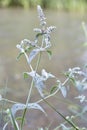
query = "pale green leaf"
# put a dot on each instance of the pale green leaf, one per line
(49, 54)
(26, 75)
(53, 89)
(19, 55)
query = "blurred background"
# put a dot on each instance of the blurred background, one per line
(17, 20)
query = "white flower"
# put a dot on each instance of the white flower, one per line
(41, 15)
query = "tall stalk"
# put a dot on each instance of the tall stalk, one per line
(30, 91)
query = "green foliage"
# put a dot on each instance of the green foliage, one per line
(49, 53)
(15, 3)
(25, 75)
(67, 5)
(53, 89)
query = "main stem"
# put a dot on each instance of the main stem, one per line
(30, 91)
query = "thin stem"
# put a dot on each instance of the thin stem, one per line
(70, 122)
(65, 81)
(37, 65)
(28, 61)
(51, 95)
(65, 122)
(30, 91)
(10, 101)
(48, 96)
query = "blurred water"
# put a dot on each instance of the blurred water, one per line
(67, 46)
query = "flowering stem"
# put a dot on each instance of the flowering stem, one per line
(30, 91)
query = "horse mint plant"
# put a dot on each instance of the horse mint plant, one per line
(34, 50)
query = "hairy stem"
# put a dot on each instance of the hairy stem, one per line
(30, 91)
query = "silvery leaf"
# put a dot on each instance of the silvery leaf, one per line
(35, 106)
(33, 74)
(25, 42)
(6, 124)
(20, 48)
(38, 81)
(19, 106)
(37, 30)
(63, 91)
(46, 75)
(39, 84)
(50, 29)
(33, 54)
(76, 69)
(40, 87)
(79, 85)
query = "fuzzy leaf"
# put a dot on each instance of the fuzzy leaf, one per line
(37, 30)
(19, 106)
(63, 91)
(5, 125)
(72, 79)
(29, 49)
(32, 74)
(39, 84)
(40, 87)
(49, 54)
(33, 54)
(19, 55)
(40, 34)
(26, 75)
(38, 81)
(46, 75)
(53, 89)
(79, 85)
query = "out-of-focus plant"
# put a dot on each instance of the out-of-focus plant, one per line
(34, 50)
